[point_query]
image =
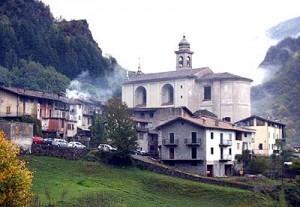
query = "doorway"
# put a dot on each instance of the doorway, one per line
(210, 170)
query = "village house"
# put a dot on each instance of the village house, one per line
(202, 145)
(51, 109)
(59, 116)
(268, 134)
(146, 121)
(224, 94)
(83, 111)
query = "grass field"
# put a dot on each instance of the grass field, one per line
(71, 181)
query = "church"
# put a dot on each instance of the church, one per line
(224, 94)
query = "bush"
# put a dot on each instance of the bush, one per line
(115, 158)
(292, 193)
(15, 178)
(259, 165)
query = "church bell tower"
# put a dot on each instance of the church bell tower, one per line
(183, 55)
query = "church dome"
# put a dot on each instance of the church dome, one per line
(184, 44)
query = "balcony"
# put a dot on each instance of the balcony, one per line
(192, 142)
(225, 158)
(168, 143)
(225, 143)
(141, 129)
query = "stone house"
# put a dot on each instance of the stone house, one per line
(268, 134)
(202, 145)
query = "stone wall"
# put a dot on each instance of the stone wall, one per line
(162, 169)
(61, 152)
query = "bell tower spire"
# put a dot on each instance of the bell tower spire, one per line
(183, 55)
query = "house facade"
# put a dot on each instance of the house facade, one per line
(268, 134)
(226, 95)
(201, 145)
(59, 116)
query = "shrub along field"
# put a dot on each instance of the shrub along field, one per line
(81, 183)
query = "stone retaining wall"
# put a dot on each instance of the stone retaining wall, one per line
(159, 168)
(55, 151)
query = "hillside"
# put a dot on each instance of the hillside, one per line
(29, 34)
(278, 96)
(76, 182)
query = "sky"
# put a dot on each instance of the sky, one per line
(227, 36)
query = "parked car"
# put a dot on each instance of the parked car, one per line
(37, 140)
(76, 145)
(48, 141)
(140, 151)
(60, 143)
(106, 148)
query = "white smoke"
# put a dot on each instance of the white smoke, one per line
(87, 87)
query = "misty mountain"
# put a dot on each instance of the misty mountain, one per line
(279, 95)
(288, 28)
(30, 34)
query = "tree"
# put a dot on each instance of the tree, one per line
(15, 178)
(119, 128)
(97, 129)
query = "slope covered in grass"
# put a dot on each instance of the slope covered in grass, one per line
(75, 181)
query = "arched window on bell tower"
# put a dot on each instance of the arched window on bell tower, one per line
(180, 61)
(188, 62)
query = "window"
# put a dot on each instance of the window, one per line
(181, 86)
(8, 110)
(207, 93)
(172, 139)
(171, 153)
(140, 96)
(188, 61)
(238, 136)
(151, 115)
(221, 137)
(194, 152)
(229, 151)
(245, 134)
(180, 62)
(227, 119)
(167, 95)
(79, 117)
(260, 146)
(211, 150)
(230, 136)
(194, 137)
(238, 146)
(211, 135)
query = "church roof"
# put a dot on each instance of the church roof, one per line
(170, 75)
(223, 76)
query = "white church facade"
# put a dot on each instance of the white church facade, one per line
(224, 94)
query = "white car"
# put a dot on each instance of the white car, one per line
(76, 145)
(60, 143)
(140, 151)
(106, 148)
